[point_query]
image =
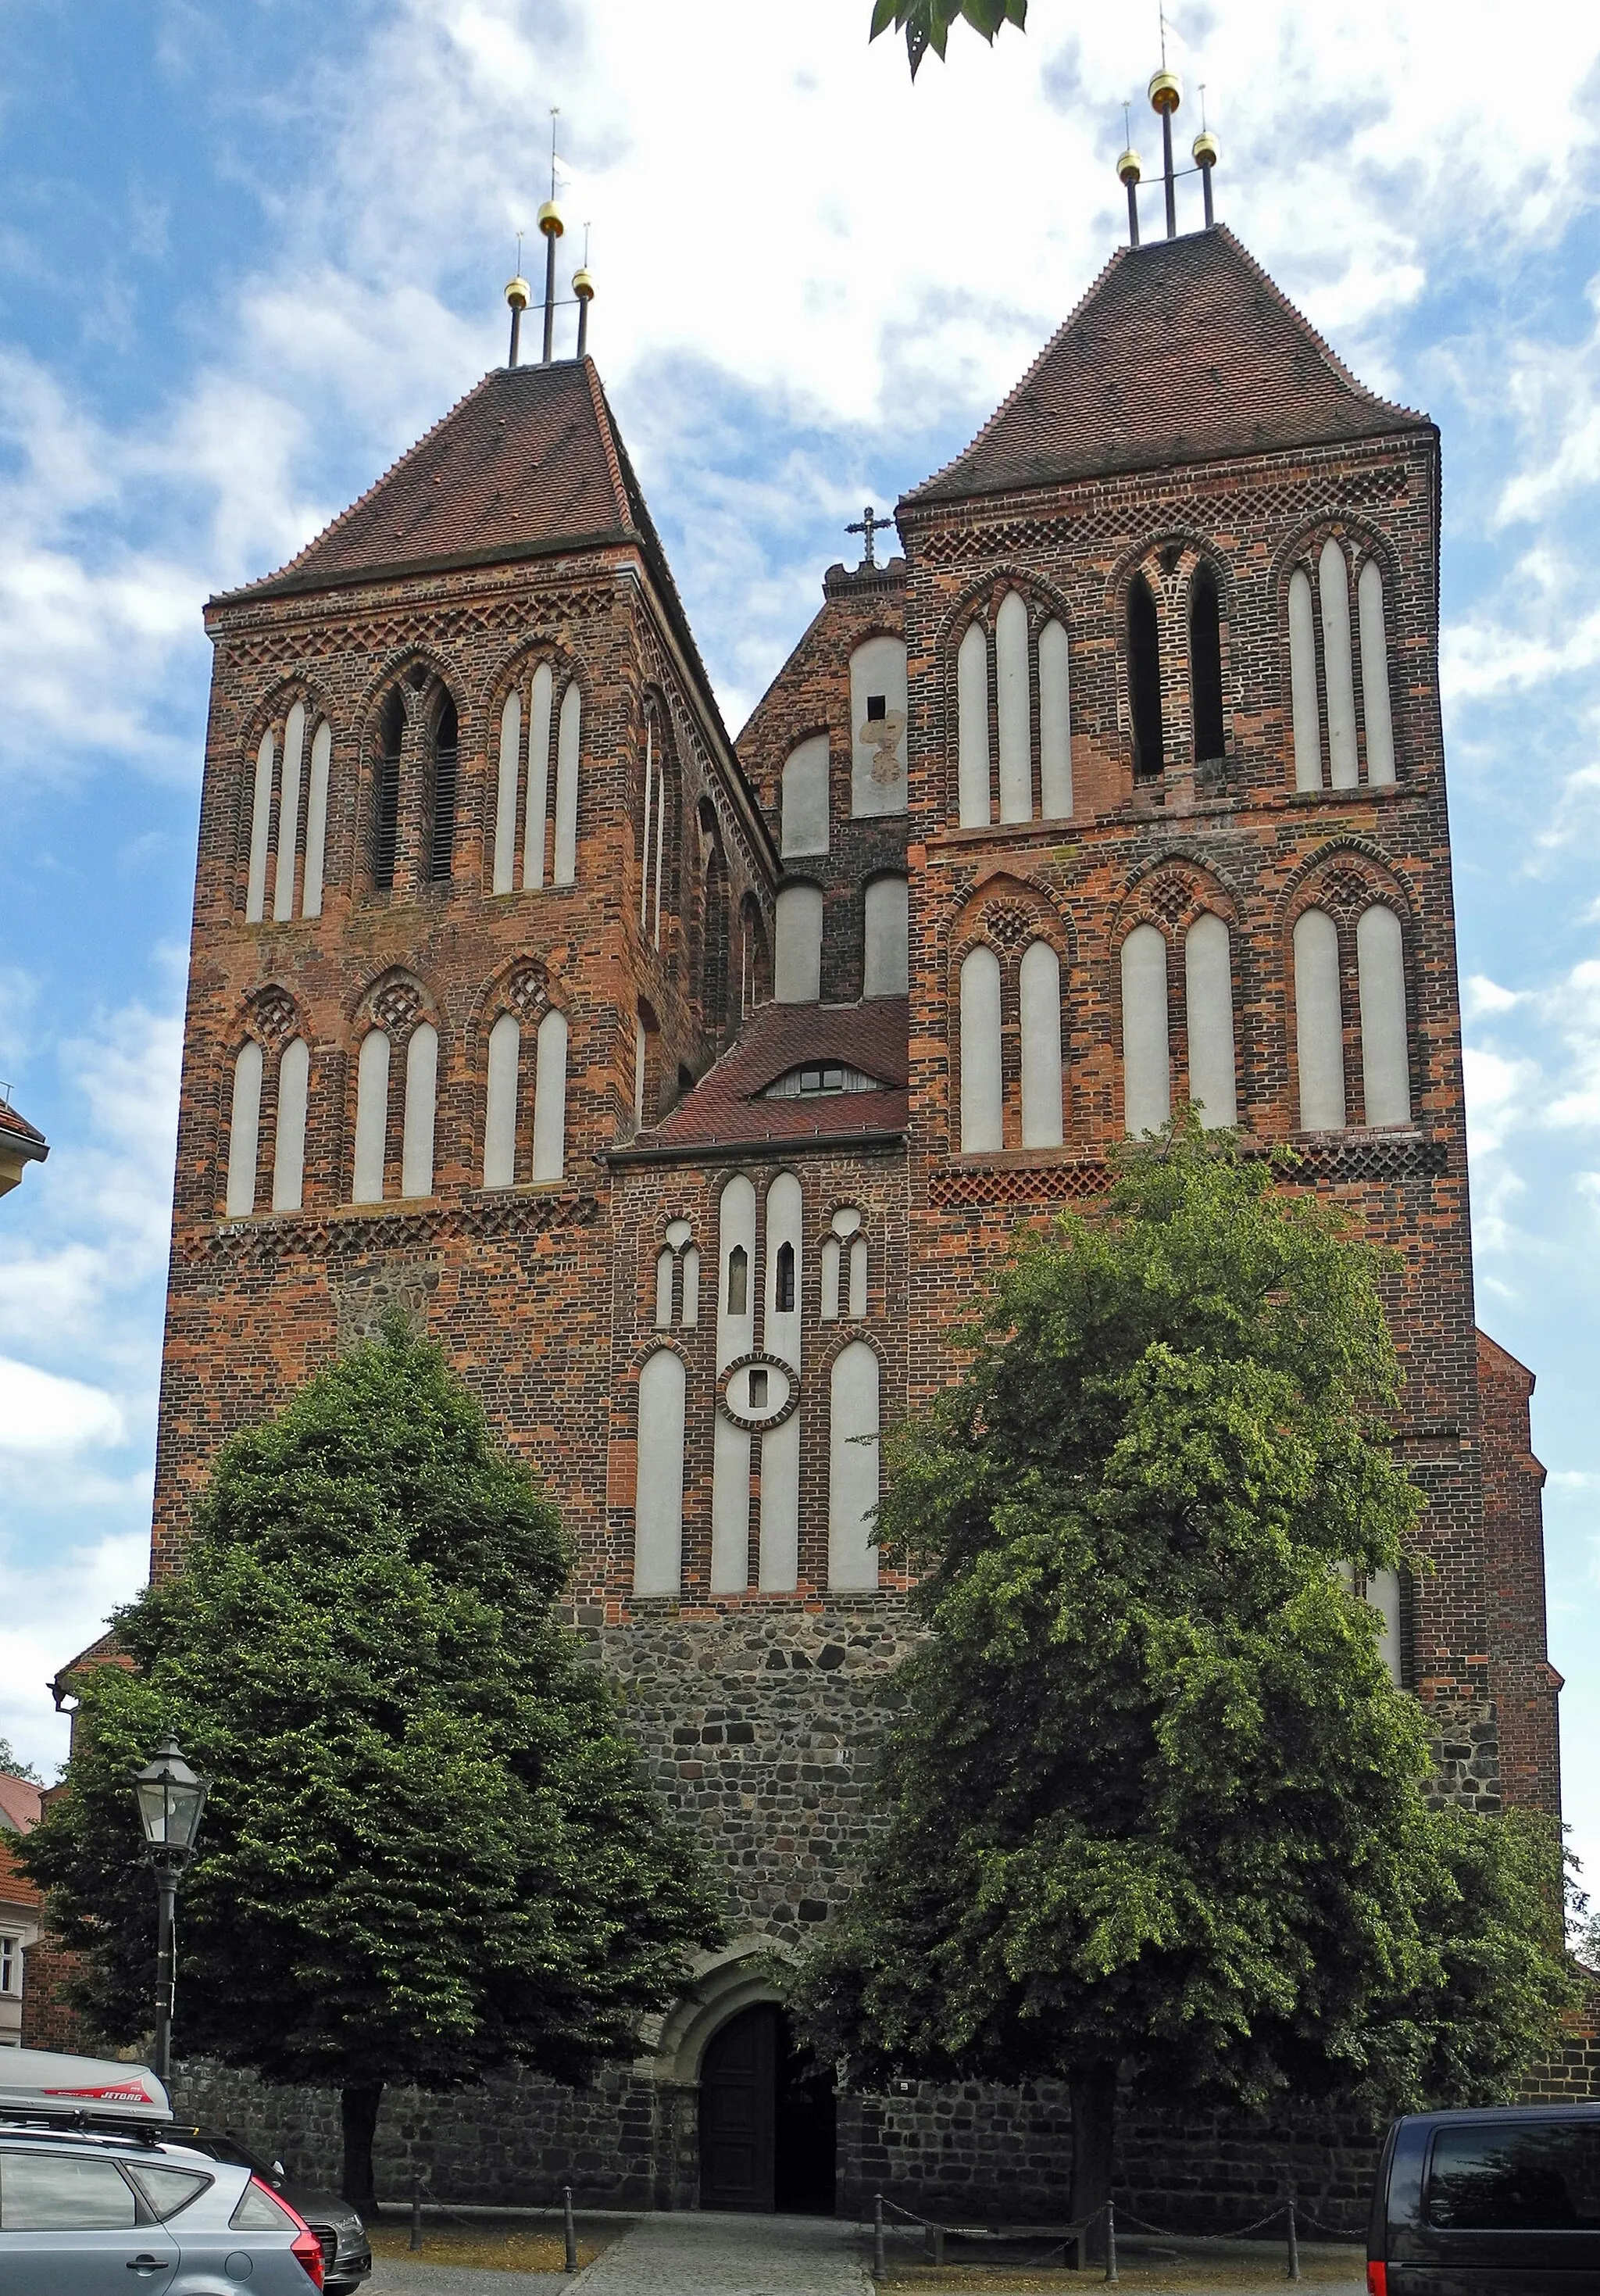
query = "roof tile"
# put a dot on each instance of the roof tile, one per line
(726, 1107)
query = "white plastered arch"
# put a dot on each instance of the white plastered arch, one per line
(723, 1983)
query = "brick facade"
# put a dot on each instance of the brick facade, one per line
(760, 1711)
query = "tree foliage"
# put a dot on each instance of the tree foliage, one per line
(927, 23)
(429, 1849)
(1153, 1800)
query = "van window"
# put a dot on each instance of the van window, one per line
(1528, 2176)
(44, 2193)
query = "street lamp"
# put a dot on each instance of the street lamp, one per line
(171, 1799)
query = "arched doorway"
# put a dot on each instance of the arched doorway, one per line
(766, 2119)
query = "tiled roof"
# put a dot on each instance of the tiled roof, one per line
(725, 1108)
(528, 461)
(1182, 351)
(19, 1804)
(25, 1139)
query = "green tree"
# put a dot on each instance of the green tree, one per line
(1154, 1805)
(428, 1848)
(927, 23)
(12, 1766)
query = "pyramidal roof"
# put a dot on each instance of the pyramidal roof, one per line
(1182, 351)
(530, 462)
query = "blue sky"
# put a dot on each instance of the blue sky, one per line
(250, 249)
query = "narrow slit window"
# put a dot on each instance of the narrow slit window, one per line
(758, 1390)
(447, 765)
(1206, 665)
(738, 1281)
(783, 1297)
(386, 831)
(1144, 677)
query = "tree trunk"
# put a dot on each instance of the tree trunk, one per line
(1093, 2092)
(358, 2118)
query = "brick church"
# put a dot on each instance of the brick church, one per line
(685, 1086)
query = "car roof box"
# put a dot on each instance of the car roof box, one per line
(35, 2083)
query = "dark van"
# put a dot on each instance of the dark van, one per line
(1502, 2201)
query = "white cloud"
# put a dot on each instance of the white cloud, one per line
(52, 1606)
(40, 1411)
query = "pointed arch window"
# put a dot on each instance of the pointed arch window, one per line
(385, 792)
(714, 945)
(524, 1117)
(1206, 665)
(289, 819)
(1030, 679)
(260, 1076)
(1341, 709)
(1144, 678)
(446, 777)
(1329, 1007)
(526, 795)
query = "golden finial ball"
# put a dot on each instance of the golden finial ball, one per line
(519, 294)
(550, 220)
(1205, 149)
(1166, 94)
(582, 286)
(1131, 167)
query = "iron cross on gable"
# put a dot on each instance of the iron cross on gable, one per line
(869, 525)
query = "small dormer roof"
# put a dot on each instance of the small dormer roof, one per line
(1182, 351)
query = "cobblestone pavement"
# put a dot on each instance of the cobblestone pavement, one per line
(705, 2254)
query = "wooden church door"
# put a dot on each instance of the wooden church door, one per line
(738, 2088)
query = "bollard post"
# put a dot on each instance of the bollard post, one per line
(416, 2215)
(936, 2233)
(879, 2267)
(570, 2230)
(1293, 2244)
(1111, 2244)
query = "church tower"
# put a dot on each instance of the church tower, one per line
(685, 1093)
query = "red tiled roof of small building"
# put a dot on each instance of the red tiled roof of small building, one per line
(27, 1138)
(726, 1109)
(21, 1803)
(1182, 351)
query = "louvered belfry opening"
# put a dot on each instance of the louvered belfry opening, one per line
(1206, 665)
(447, 759)
(386, 811)
(1144, 677)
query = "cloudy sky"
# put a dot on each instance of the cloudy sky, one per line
(248, 249)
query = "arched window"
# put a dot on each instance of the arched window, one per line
(972, 715)
(658, 1498)
(421, 1099)
(507, 780)
(886, 969)
(244, 1131)
(783, 1280)
(730, 1444)
(878, 716)
(982, 1127)
(288, 1140)
(714, 946)
(446, 764)
(500, 1111)
(541, 702)
(371, 1117)
(283, 828)
(667, 1269)
(1147, 1042)
(853, 1469)
(659, 844)
(1318, 1022)
(1374, 676)
(1040, 995)
(799, 971)
(1208, 981)
(1303, 683)
(779, 1558)
(845, 1267)
(1385, 1051)
(569, 742)
(804, 806)
(1055, 725)
(1144, 678)
(1014, 714)
(1338, 668)
(549, 1098)
(385, 792)
(1205, 665)
(755, 982)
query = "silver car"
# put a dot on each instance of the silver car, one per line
(83, 2214)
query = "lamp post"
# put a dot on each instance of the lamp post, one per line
(171, 1798)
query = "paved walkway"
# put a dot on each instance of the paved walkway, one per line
(700, 2253)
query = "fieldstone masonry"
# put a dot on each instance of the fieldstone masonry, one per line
(1185, 422)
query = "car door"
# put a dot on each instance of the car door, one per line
(70, 2227)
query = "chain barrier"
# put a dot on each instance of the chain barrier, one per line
(1288, 2212)
(562, 2208)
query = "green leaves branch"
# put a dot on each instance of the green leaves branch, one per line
(927, 23)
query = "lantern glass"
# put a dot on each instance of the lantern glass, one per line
(171, 1798)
